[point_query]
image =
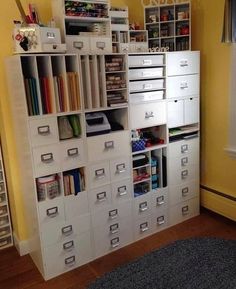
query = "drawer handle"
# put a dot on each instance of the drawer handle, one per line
(100, 173)
(144, 227)
(184, 174)
(113, 214)
(72, 152)
(184, 148)
(68, 246)
(109, 144)
(147, 62)
(122, 191)
(184, 85)
(47, 158)
(44, 130)
(147, 86)
(149, 114)
(70, 261)
(185, 210)
(183, 62)
(120, 168)
(114, 228)
(161, 220)
(68, 230)
(101, 197)
(52, 212)
(184, 161)
(185, 191)
(78, 44)
(115, 242)
(101, 44)
(143, 206)
(160, 201)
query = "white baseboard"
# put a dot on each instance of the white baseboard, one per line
(21, 246)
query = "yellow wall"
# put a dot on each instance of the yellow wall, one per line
(218, 170)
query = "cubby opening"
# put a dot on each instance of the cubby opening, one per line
(48, 187)
(69, 126)
(74, 181)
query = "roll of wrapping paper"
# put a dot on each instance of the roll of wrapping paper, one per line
(25, 18)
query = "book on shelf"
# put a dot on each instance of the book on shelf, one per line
(45, 95)
(31, 96)
(74, 182)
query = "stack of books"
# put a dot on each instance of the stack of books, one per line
(74, 182)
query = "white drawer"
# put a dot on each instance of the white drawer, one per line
(182, 86)
(121, 191)
(142, 206)
(66, 256)
(146, 60)
(184, 147)
(108, 146)
(52, 233)
(160, 220)
(100, 45)
(179, 63)
(189, 173)
(180, 163)
(191, 110)
(120, 168)
(183, 192)
(143, 97)
(107, 244)
(99, 174)
(183, 211)
(111, 214)
(46, 160)
(146, 85)
(51, 211)
(147, 115)
(99, 198)
(159, 200)
(143, 227)
(175, 113)
(43, 131)
(77, 44)
(76, 205)
(72, 154)
(146, 73)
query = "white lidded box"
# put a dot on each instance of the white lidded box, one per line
(37, 39)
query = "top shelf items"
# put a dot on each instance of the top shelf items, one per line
(169, 26)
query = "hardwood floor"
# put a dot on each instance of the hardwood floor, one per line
(20, 272)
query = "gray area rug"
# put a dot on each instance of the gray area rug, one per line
(199, 263)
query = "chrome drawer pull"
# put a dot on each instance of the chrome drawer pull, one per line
(109, 144)
(160, 201)
(185, 210)
(68, 246)
(143, 206)
(184, 174)
(113, 214)
(144, 227)
(149, 114)
(120, 168)
(101, 197)
(44, 130)
(72, 152)
(100, 173)
(101, 45)
(184, 161)
(68, 230)
(114, 228)
(184, 148)
(161, 220)
(47, 158)
(78, 44)
(122, 191)
(185, 191)
(52, 212)
(115, 242)
(183, 62)
(70, 261)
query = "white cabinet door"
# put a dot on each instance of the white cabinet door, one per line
(191, 110)
(175, 113)
(99, 174)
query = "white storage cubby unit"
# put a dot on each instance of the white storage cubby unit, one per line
(120, 29)
(169, 25)
(6, 239)
(99, 166)
(138, 41)
(85, 25)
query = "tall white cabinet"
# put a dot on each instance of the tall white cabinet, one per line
(91, 188)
